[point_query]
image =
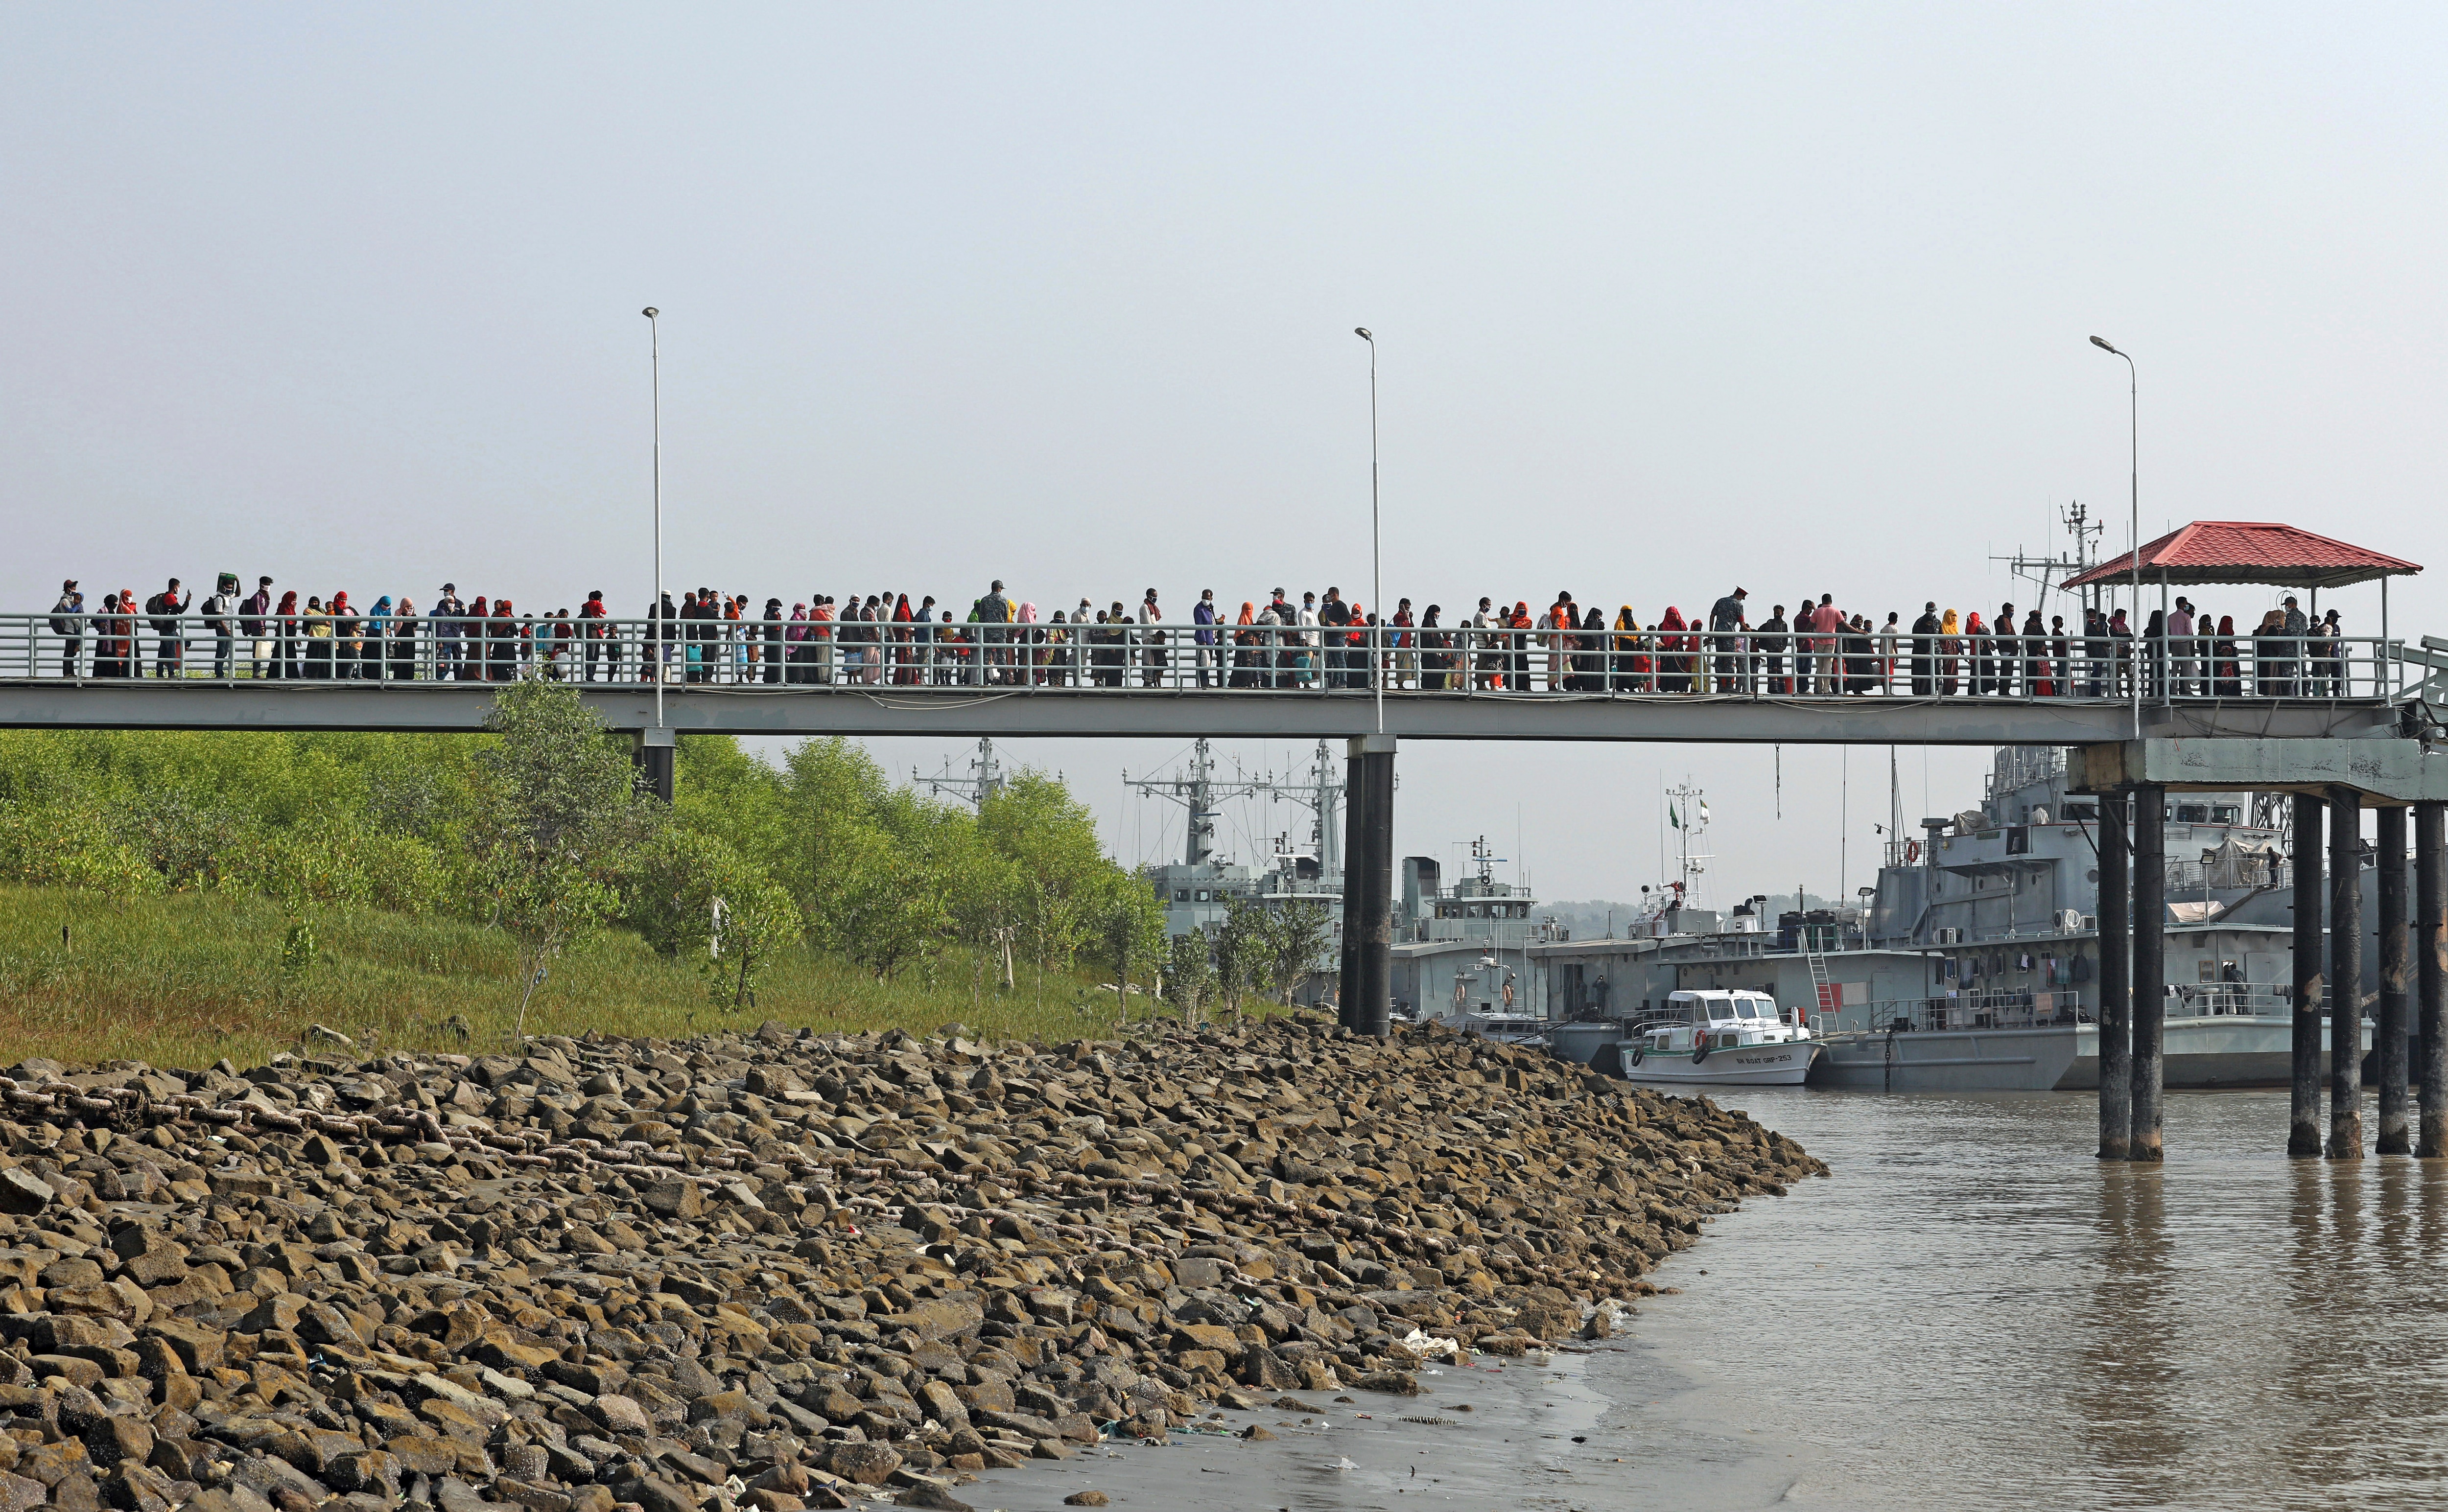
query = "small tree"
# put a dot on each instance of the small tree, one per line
(1132, 935)
(554, 808)
(691, 896)
(1237, 952)
(754, 921)
(1289, 937)
(880, 905)
(1190, 973)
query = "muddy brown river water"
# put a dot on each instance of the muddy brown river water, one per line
(1972, 1312)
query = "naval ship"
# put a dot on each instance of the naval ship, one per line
(1460, 952)
(1974, 961)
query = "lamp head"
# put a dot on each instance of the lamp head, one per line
(2103, 345)
(1362, 332)
(651, 311)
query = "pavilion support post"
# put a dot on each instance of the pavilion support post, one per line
(2116, 985)
(2304, 1112)
(2150, 968)
(2431, 974)
(2346, 975)
(2396, 968)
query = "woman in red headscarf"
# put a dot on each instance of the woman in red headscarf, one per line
(285, 628)
(1677, 674)
(502, 632)
(348, 641)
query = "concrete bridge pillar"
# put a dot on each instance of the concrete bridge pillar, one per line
(2304, 1111)
(2346, 975)
(1355, 849)
(2116, 984)
(2431, 974)
(2150, 968)
(2396, 966)
(1369, 886)
(655, 753)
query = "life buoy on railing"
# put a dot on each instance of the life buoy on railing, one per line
(1912, 850)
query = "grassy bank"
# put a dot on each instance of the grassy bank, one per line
(190, 978)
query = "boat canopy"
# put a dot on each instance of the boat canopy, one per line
(1719, 1003)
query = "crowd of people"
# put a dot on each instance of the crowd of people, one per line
(1319, 642)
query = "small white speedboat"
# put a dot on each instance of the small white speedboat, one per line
(1718, 1039)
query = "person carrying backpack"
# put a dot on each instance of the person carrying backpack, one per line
(67, 623)
(220, 612)
(164, 608)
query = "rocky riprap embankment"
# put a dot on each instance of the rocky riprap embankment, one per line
(786, 1270)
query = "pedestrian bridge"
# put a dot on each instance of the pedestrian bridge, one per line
(1010, 681)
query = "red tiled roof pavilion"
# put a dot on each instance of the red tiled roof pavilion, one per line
(2210, 552)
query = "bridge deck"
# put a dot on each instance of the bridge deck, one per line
(886, 710)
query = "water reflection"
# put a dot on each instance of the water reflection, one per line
(1975, 1312)
(2123, 1405)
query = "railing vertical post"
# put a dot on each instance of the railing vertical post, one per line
(2304, 1112)
(2115, 987)
(2346, 975)
(2396, 966)
(2150, 1002)
(2431, 975)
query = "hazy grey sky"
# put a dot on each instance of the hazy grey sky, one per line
(1668, 297)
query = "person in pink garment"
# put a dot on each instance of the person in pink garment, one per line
(1825, 622)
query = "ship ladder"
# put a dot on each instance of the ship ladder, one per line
(1818, 973)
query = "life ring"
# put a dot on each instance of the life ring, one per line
(1912, 850)
(1699, 1048)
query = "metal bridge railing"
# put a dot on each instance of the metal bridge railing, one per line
(1458, 661)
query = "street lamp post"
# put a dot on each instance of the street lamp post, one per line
(1376, 579)
(2134, 433)
(655, 368)
(657, 753)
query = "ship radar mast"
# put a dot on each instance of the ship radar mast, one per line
(1686, 812)
(985, 779)
(1201, 793)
